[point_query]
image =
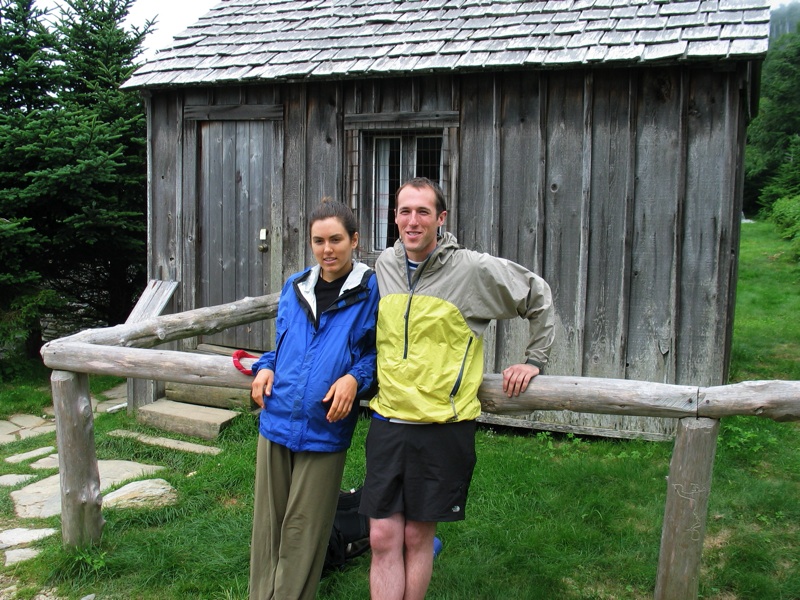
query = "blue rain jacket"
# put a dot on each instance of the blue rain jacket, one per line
(308, 360)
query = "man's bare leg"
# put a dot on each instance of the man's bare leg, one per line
(418, 558)
(387, 570)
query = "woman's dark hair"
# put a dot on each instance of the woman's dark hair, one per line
(330, 208)
(419, 183)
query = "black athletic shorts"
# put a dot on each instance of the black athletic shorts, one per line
(422, 471)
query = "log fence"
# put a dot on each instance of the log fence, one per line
(128, 351)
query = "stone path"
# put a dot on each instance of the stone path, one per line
(41, 497)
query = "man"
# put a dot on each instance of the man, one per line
(437, 299)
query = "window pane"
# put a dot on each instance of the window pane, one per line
(387, 180)
(429, 158)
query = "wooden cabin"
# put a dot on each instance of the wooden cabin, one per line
(598, 142)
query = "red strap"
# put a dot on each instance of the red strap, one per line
(237, 361)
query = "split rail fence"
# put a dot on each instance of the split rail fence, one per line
(128, 351)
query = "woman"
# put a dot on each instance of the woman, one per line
(324, 358)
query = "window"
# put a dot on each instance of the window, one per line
(398, 158)
(382, 154)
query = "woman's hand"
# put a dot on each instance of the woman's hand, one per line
(262, 386)
(340, 396)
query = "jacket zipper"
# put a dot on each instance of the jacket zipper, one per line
(457, 384)
(411, 287)
(405, 325)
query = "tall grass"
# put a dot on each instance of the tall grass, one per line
(550, 516)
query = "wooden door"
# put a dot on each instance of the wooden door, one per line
(239, 203)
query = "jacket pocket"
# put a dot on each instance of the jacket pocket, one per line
(459, 379)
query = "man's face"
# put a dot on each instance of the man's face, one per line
(415, 216)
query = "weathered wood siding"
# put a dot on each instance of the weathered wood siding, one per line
(621, 187)
(623, 184)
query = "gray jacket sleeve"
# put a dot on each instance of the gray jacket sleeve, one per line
(502, 289)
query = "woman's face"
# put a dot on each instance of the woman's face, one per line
(333, 248)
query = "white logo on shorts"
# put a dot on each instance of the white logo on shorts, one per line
(456, 508)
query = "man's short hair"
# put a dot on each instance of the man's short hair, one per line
(422, 183)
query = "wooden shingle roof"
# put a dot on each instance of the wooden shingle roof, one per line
(264, 40)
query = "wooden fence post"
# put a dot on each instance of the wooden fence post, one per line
(688, 490)
(81, 501)
(151, 303)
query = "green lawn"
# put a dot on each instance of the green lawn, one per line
(550, 516)
(766, 334)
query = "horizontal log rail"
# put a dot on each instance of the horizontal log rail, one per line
(128, 351)
(777, 400)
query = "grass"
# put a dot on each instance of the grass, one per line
(550, 516)
(766, 331)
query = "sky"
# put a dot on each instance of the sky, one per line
(172, 17)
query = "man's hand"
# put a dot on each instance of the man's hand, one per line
(517, 377)
(340, 396)
(262, 386)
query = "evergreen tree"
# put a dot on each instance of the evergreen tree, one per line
(73, 174)
(102, 190)
(771, 134)
(27, 54)
(29, 75)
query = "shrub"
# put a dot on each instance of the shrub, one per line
(785, 214)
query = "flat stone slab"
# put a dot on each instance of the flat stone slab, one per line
(150, 493)
(48, 462)
(18, 555)
(34, 431)
(23, 535)
(28, 421)
(8, 428)
(166, 442)
(42, 499)
(18, 458)
(12, 480)
(189, 419)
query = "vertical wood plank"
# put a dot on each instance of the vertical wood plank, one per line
(275, 202)
(563, 214)
(81, 501)
(519, 222)
(707, 230)
(584, 223)
(608, 272)
(295, 197)
(651, 344)
(188, 228)
(323, 148)
(685, 513)
(164, 114)
(227, 205)
(479, 150)
(244, 247)
(737, 109)
(478, 199)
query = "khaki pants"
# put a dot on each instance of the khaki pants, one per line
(295, 502)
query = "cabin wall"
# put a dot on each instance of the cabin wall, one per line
(621, 187)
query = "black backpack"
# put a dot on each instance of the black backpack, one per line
(350, 532)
